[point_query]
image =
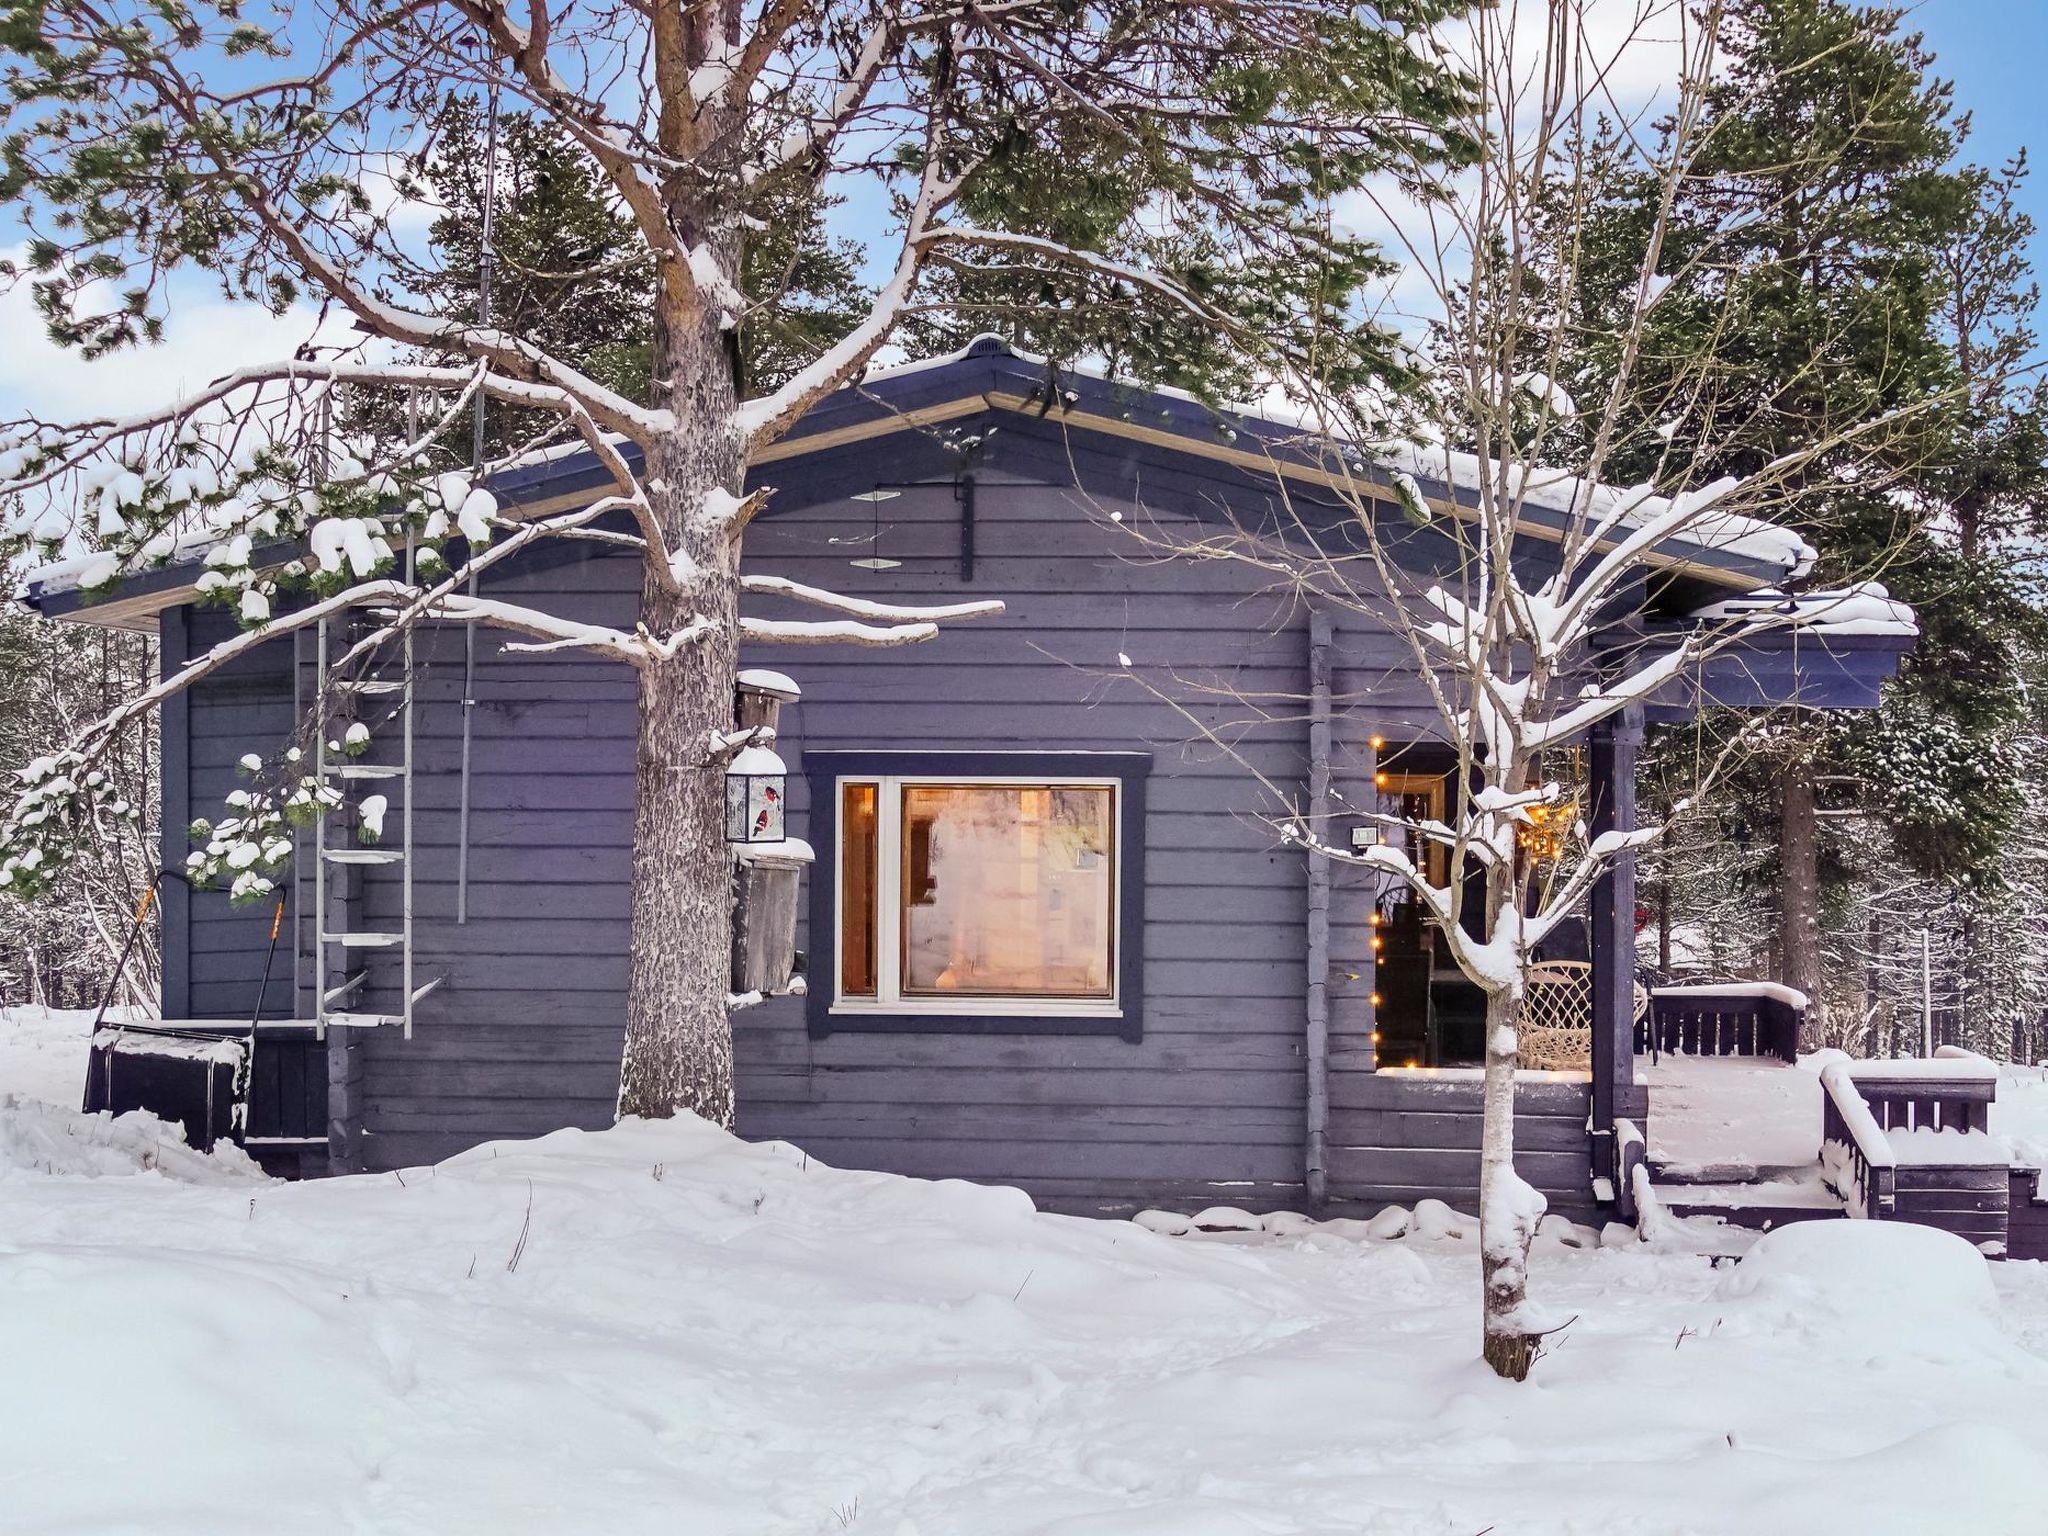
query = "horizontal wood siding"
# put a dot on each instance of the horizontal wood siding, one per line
(244, 707)
(1398, 1136)
(1205, 1106)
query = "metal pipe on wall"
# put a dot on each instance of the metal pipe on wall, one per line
(485, 261)
(1316, 1053)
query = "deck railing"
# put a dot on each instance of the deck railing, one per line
(1952, 1091)
(1855, 1157)
(1749, 1018)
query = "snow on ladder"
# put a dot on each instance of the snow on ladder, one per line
(340, 868)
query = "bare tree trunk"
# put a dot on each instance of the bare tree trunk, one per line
(1799, 893)
(678, 1053)
(1664, 922)
(1508, 1208)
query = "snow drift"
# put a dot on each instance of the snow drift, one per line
(661, 1328)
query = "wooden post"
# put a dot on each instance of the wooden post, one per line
(1613, 933)
(1316, 1052)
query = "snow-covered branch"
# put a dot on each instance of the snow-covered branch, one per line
(865, 608)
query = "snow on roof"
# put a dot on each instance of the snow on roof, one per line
(1566, 494)
(1864, 609)
(94, 567)
(768, 681)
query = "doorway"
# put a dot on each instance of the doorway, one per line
(1428, 1013)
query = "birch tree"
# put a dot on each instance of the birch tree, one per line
(1488, 528)
(1131, 156)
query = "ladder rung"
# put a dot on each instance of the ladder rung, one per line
(363, 940)
(362, 855)
(371, 685)
(366, 771)
(363, 1020)
(336, 994)
(424, 988)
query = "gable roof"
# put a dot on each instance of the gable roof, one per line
(989, 376)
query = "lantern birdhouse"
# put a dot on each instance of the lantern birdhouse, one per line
(755, 786)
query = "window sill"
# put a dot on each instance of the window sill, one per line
(909, 1021)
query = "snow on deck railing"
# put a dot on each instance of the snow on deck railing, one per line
(1857, 1123)
(1856, 1157)
(1792, 997)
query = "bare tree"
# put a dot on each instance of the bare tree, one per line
(1112, 159)
(1518, 586)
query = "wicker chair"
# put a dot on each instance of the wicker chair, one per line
(1557, 1016)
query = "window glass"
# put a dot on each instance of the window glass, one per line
(1007, 890)
(857, 889)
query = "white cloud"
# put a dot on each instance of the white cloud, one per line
(1629, 54)
(204, 337)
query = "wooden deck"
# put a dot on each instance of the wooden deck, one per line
(1740, 1129)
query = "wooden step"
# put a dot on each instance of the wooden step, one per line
(1760, 1205)
(363, 940)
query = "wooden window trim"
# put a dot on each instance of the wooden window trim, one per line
(1121, 1015)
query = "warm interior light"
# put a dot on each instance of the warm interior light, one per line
(1380, 780)
(1378, 742)
(1375, 1037)
(1375, 1000)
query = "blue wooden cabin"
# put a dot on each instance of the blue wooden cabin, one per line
(1133, 993)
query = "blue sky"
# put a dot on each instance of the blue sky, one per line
(1996, 53)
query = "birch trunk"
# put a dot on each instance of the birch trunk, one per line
(1508, 1207)
(678, 1050)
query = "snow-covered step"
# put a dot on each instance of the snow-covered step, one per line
(362, 855)
(366, 771)
(1729, 1172)
(364, 1020)
(363, 940)
(368, 685)
(1760, 1203)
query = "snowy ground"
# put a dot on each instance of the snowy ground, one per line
(661, 1329)
(42, 1053)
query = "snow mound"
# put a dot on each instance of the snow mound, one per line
(1867, 1287)
(40, 1140)
(43, 1051)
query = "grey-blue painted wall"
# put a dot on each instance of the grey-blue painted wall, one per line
(1205, 1106)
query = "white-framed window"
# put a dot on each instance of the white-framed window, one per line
(985, 895)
